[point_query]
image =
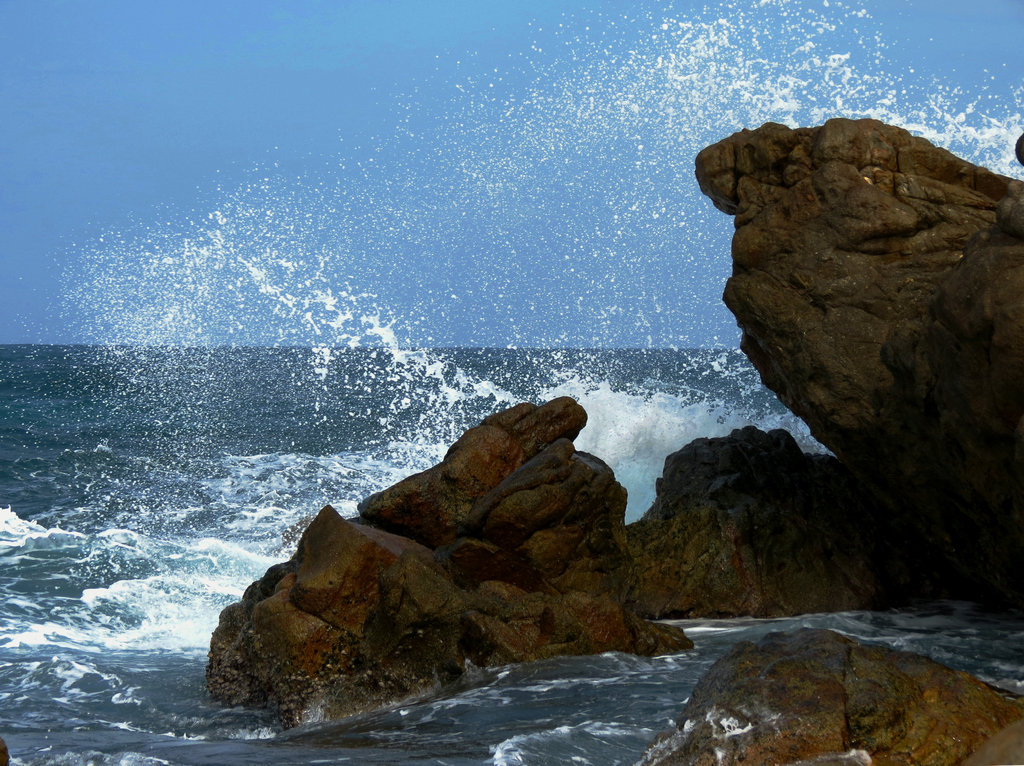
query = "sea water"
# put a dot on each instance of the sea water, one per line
(144, 489)
(290, 342)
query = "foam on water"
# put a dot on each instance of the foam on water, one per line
(146, 593)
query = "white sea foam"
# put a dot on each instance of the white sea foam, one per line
(635, 432)
(522, 748)
(17, 533)
(173, 608)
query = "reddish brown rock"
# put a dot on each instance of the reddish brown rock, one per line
(814, 696)
(430, 506)
(361, 617)
(879, 300)
(562, 513)
(305, 618)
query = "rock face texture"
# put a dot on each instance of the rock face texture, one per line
(750, 525)
(877, 287)
(431, 505)
(514, 550)
(815, 696)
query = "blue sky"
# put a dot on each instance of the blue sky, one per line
(439, 172)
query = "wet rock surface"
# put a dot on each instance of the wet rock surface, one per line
(877, 286)
(532, 563)
(816, 697)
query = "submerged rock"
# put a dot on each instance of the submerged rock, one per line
(750, 525)
(815, 696)
(879, 296)
(532, 563)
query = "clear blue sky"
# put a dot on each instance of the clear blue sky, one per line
(463, 172)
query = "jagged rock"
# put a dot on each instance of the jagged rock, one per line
(750, 525)
(815, 696)
(879, 300)
(361, 617)
(430, 506)
(4, 755)
(561, 513)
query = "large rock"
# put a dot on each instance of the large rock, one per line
(361, 617)
(749, 524)
(814, 696)
(880, 301)
(430, 506)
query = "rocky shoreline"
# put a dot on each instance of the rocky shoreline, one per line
(876, 280)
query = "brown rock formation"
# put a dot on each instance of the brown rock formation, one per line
(750, 525)
(814, 696)
(429, 506)
(361, 617)
(878, 300)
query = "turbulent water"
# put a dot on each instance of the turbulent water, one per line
(146, 476)
(145, 489)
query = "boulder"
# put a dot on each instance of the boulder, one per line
(878, 298)
(749, 524)
(360, 617)
(816, 697)
(562, 514)
(5, 757)
(430, 506)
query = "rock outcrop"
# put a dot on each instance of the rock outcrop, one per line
(814, 696)
(878, 290)
(749, 524)
(513, 550)
(431, 505)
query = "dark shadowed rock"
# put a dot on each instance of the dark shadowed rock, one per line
(4, 756)
(880, 301)
(750, 525)
(361, 617)
(814, 696)
(430, 506)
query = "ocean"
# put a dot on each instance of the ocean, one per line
(142, 489)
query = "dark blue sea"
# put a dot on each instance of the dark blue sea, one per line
(142, 489)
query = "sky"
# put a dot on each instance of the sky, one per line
(432, 172)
